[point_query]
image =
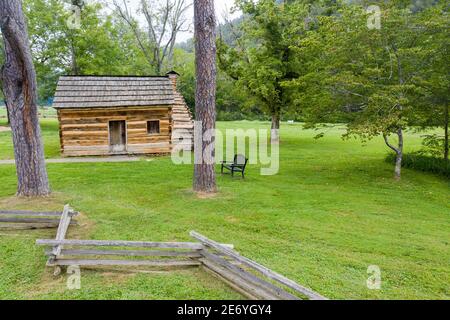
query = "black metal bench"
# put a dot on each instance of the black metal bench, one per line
(238, 165)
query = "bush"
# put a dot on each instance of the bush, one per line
(424, 163)
(433, 145)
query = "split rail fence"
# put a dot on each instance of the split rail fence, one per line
(246, 276)
(26, 220)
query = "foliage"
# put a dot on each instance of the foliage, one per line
(261, 58)
(420, 162)
(231, 102)
(433, 104)
(101, 45)
(368, 78)
(433, 145)
(105, 45)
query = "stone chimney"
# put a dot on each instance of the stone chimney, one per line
(173, 76)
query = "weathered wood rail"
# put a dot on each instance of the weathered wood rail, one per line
(246, 276)
(23, 220)
(182, 254)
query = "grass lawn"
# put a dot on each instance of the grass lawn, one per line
(332, 211)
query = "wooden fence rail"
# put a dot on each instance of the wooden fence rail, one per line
(119, 243)
(20, 219)
(253, 265)
(248, 277)
(186, 253)
(31, 213)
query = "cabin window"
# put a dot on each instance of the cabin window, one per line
(153, 127)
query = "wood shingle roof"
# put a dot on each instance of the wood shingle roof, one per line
(103, 92)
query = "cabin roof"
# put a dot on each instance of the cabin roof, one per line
(112, 91)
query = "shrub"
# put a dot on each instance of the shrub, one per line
(424, 163)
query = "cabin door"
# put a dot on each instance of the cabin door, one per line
(117, 136)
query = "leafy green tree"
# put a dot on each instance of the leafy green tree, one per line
(365, 77)
(95, 47)
(261, 58)
(184, 64)
(44, 27)
(433, 110)
(232, 103)
(100, 44)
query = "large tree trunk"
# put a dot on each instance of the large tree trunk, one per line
(446, 120)
(205, 97)
(19, 85)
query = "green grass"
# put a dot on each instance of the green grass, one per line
(49, 129)
(333, 210)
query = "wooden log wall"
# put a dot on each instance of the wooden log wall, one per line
(85, 131)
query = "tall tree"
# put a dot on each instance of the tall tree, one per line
(205, 96)
(165, 19)
(373, 86)
(97, 43)
(19, 86)
(260, 56)
(433, 80)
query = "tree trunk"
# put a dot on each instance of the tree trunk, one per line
(398, 165)
(74, 63)
(398, 151)
(19, 85)
(275, 129)
(446, 120)
(205, 96)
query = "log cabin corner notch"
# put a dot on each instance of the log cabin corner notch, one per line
(117, 115)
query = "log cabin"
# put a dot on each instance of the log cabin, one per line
(106, 115)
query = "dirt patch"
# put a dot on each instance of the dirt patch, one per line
(232, 219)
(5, 129)
(84, 228)
(53, 202)
(206, 195)
(189, 194)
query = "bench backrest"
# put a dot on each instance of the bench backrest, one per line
(240, 160)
